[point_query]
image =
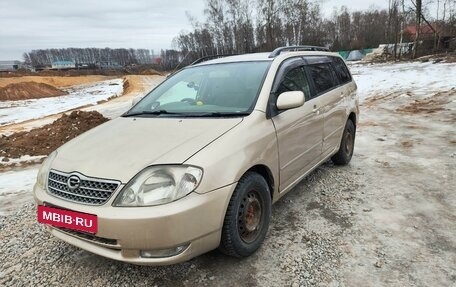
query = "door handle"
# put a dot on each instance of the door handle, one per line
(315, 109)
(342, 94)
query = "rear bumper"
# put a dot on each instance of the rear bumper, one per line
(194, 222)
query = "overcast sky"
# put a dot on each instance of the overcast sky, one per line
(150, 24)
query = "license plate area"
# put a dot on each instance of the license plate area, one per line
(69, 219)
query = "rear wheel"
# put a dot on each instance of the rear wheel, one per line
(247, 217)
(347, 144)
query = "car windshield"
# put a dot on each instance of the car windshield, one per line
(209, 90)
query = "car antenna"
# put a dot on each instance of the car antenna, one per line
(179, 63)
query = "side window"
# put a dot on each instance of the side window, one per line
(341, 71)
(295, 80)
(322, 75)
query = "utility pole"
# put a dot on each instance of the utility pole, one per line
(395, 15)
(418, 28)
(402, 28)
(436, 40)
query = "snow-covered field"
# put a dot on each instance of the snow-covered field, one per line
(415, 77)
(19, 111)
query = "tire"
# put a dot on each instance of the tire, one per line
(247, 217)
(347, 144)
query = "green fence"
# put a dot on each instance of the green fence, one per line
(344, 54)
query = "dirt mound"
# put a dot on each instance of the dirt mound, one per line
(449, 57)
(58, 81)
(150, 72)
(43, 140)
(28, 90)
(127, 88)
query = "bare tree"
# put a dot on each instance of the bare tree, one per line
(230, 28)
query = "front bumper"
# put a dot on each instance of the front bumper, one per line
(194, 221)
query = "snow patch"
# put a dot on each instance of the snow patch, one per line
(22, 159)
(89, 94)
(17, 181)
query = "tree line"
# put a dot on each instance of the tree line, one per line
(89, 56)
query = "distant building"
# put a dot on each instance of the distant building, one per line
(435, 32)
(10, 65)
(60, 65)
(426, 32)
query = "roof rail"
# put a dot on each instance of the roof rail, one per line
(279, 50)
(207, 58)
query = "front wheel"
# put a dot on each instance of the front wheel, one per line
(247, 217)
(347, 144)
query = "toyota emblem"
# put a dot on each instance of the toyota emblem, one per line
(73, 182)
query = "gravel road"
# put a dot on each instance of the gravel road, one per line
(387, 219)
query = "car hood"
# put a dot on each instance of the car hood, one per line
(122, 147)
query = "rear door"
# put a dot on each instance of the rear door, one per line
(331, 95)
(300, 130)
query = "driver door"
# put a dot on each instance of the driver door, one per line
(299, 131)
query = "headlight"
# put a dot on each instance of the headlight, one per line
(157, 185)
(44, 170)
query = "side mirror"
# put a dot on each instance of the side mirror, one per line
(136, 100)
(290, 100)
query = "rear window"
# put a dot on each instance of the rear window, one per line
(322, 75)
(341, 71)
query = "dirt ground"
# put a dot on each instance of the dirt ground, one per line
(137, 84)
(406, 151)
(45, 139)
(56, 81)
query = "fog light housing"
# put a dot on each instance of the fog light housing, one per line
(160, 253)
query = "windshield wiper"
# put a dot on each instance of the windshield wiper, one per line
(155, 112)
(189, 114)
(218, 114)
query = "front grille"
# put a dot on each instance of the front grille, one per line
(92, 191)
(89, 237)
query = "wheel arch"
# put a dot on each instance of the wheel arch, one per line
(266, 173)
(353, 118)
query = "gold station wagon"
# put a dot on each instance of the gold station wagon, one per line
(196, 164)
